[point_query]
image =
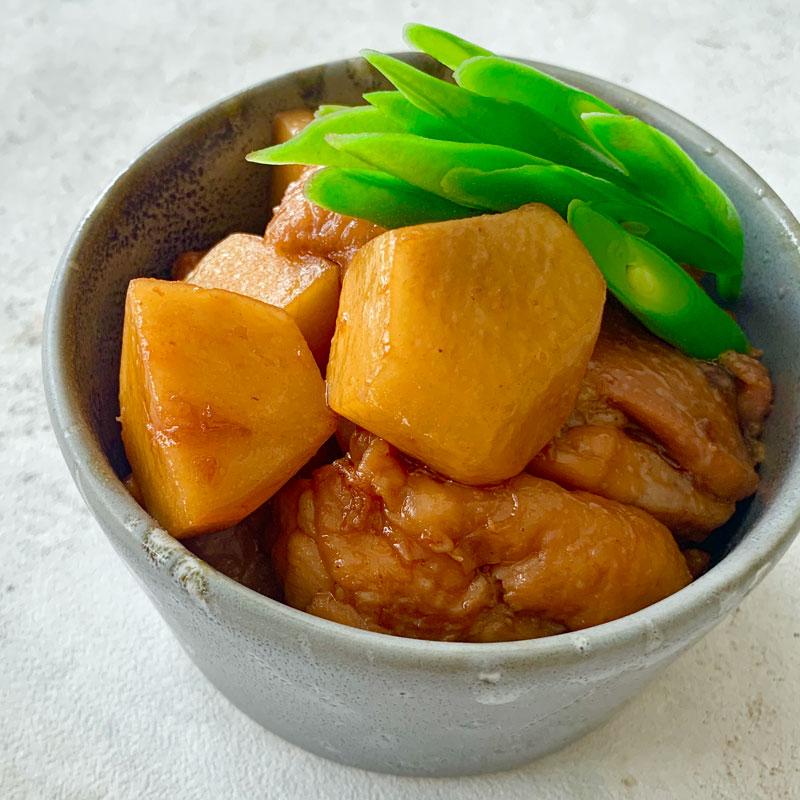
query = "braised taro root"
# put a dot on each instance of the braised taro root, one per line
(285, 125)
(220, 403)
(514, 457)
(380, 543)
(422, 354)
(306, 287)
(297, 265)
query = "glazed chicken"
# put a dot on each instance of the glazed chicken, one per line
(659, 430)
(298, 226)
(243, 552)
(377, 542)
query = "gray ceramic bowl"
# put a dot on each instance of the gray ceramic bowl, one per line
(375, 701)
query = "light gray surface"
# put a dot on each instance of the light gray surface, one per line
(88, 666)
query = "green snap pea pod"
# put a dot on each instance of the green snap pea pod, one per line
(654, 288)
(446, 48)
(564, 104)
(650, 156)
(329, 108)
(729, 286)
(679, 241)
(379, 198)
(656, 165)
(309, 146)
(482, 72)
(486, 119)
(424, 162)
(664, 173)
(557, 186)
(553, 184)
(412, 120)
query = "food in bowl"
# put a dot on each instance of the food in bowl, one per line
(519, 455)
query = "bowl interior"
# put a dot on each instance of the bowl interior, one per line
(193, 187)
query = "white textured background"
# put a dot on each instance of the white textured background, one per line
(96, 698)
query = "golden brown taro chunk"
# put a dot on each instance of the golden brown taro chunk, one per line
(378, 544)
(662, 431)
(306, 287)
(220, 403)
(299, 226)
(464, 343)
(286, 124)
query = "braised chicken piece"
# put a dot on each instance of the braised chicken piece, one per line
(376, 542)
(753, 389)
(299, 226)
(242, 552)
(611, 463)
(698, 561)
(659, 430)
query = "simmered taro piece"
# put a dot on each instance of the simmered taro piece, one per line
(464, 343)
(220, 403)
(305, 286)
(285, 125)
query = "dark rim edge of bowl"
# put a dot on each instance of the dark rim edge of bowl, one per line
(92, 473)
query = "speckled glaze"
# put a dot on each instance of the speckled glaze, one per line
(374, 701)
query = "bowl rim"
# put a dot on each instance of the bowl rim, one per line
(119, 515)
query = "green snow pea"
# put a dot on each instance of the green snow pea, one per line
(506, 135)
(446, 48)
(557, 186)
(424, 162)
(559, 102)
(632, 145)
(654, 288)
(330, 108)
(663, 173)
(309, 146)
(482, 72)
(412, 120)
(379, 198)
(655, 164)
(490, 120)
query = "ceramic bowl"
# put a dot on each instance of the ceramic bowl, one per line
(370, 700)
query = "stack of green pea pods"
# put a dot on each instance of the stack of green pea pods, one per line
(505, 134)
